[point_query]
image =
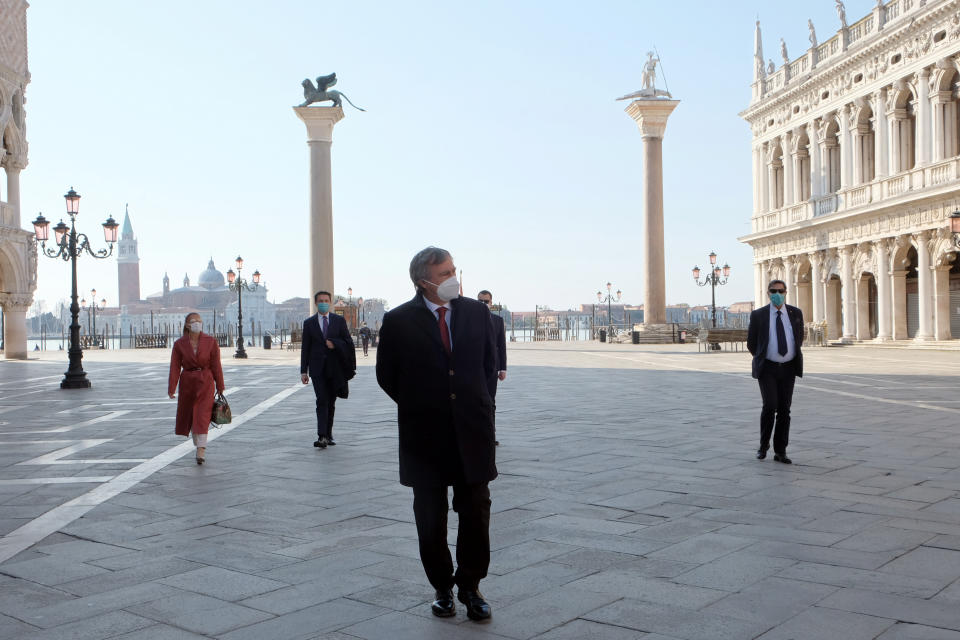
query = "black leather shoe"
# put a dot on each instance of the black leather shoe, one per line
(330, 441)
(444, 606)
(782, 457)
(321, 442)
(477, 607)
(761, 454)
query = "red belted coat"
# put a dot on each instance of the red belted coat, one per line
(198, 374)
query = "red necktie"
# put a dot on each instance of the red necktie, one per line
(444, 331)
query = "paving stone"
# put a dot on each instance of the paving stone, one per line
(535, 615)
(823, 555)
(817, 623)
(906, 631)
(13, 628)
(159, 632)
(882, 538)
(630, 583)
(734, 571)
(771, 601)
(524, 554)
(128, 577)
(199, 613)
(902, 608)
(926, 562)
(587, 630)
(88, 606)
(308, 594)
(51, 570)
(404, 626)
(108, 625)
(222, 583)
(18, 596)
(702, 548)
(308, 623)
(674, 621)
(913, 586)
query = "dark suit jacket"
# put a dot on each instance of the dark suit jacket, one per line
(444, 406)
(320, 362)
(758, 337)
(500, 334)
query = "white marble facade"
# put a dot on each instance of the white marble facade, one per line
(856, 170)
(18, 252)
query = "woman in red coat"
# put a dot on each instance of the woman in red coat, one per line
(195, 364)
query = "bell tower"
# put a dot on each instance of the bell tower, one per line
(128, 263)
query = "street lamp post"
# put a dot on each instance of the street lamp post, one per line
(714, 280)
(609, 299)
(70, 245)
(238, 284)
(94, 308)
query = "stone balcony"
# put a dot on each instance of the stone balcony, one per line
(914, 183)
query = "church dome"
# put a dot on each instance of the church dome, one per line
(210, 278)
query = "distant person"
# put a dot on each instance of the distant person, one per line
(500, 333)
(436, 360)
(327, 357)
(774, 338)
(195, 366)
(365, 337)
(36, 347)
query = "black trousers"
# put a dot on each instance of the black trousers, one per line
(326, 401)
(776, 388)
(472, 504)
(366, 345)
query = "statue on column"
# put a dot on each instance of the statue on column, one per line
(783, 52)
(649, 80)
(813, 33)
(322, 92)
(842, 14)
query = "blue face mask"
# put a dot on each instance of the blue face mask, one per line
(323, 307)
(777, 299)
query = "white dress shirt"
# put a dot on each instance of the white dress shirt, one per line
(433, 307)
(320, 317)
(772, 353)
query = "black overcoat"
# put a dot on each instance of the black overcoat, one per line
(758, 337)
(336, 366)
(444, 406)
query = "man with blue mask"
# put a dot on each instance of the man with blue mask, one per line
(327, 357)
(437, 360)
(774, 339)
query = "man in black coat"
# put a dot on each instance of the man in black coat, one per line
(500, 333)
(437, 360)
(327, 357)
(774, 339)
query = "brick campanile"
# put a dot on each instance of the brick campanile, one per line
(128, 264)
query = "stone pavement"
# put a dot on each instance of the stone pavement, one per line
(629, 504)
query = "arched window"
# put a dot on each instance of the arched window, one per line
(831, 147)
(864, 142)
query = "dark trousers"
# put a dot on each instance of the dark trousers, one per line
(472, 504)
(326, 401)
(366, 345)
(776, 388)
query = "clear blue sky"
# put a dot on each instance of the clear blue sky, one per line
(491, 130)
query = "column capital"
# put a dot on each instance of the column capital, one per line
(651, 115)
(846, 250)
(16, 301)
(816, 258)
(319, 121)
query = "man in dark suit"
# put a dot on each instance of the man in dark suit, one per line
(500, 333)
(325, 352)
(437, 360)
(774, 339)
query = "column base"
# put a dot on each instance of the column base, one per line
(75, 382)
(848, 339)
(883, 339)
(929, 338)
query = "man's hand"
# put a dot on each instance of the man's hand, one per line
(329, 345)
(172, 395)
(502, 376)
(304, 378)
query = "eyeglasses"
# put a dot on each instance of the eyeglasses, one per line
(486, 302)
(777, 290)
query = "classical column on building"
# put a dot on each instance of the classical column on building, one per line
(816, 285)
(651, 117)
(786, 147)
(942, 263)
(759, 286)
(881, 159)
(320, 122)
(846, 145)
(898, 287)
(13, 169)
(923, 117)
(895, 117)
(848, 294)
(884, 312)
(863, 254)
(944, 118)
(789, 276)
(924, 285)
(797, 154)
(763, 179)
(757, 180)
(816, 174)
(857, 132)
(15, 307)
(772, 203)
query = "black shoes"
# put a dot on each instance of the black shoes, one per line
(761, 454)
(330, 441)
(782, 457)
(443, 606)
(321, 442)
(477, 607)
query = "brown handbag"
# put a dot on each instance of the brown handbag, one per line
(221, 411)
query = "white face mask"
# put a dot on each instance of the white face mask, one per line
(195, 326)
(447, 290)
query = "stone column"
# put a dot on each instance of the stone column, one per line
(772, 203)
(15, 306)
(894, 117)
(13, 192)
(816, 179)
(898, 288)
(847, 294)
(788, 276)
(816, 285)
(758, 285)
(764, 193)
(863, 308)
(651, 117)
(320, 122)
(757, 180)
(881, 133)
(923, 117)
(941, 306)
(924, 286)
(944, 126)
(884, 312)
(786, 158)
(846, 147)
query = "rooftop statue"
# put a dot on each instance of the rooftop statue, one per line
(322, 92)
(813, 33)
(783, 52)
(842, 14)
(649, 80)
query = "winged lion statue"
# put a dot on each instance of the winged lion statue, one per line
(322, 92)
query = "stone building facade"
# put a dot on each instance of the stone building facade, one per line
(856, 170)
(128, 264)
(18, 251)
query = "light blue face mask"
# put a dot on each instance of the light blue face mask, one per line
(777, 299)
(323, 307)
